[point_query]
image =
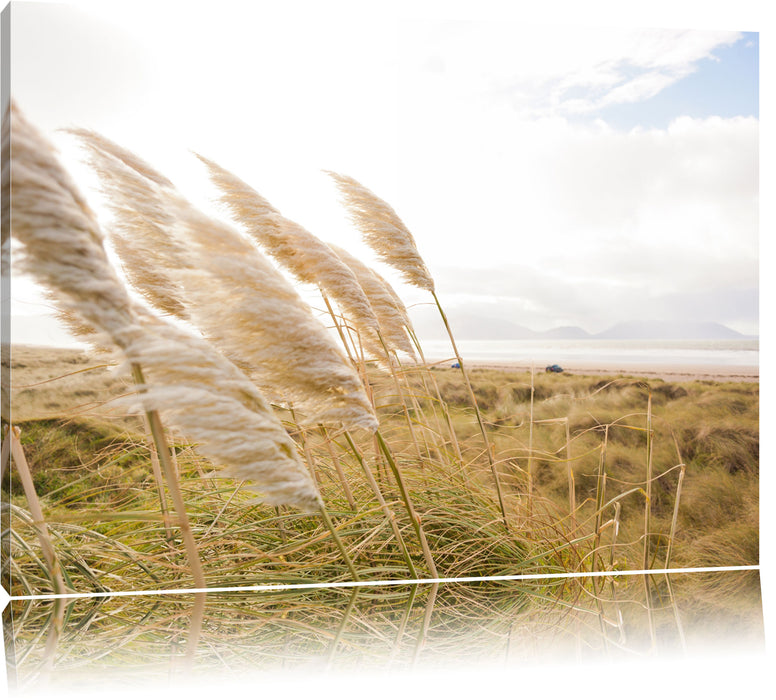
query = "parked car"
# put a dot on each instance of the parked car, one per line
(553, 368)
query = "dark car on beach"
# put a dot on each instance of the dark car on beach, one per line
(553, 368)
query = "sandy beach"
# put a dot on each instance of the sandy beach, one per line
(40, 357)
(669, 373)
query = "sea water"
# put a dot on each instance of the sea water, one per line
(702, 353)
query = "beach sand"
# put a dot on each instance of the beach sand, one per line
(669, 373)
(33, 364)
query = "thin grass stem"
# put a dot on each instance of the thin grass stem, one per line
(345, 556)
(171, 476)
(648, 486)
(383, 505)
(338, 467)
(49, 554)
(475, 405)
(675, 516)
(414, 517)
(157, 471)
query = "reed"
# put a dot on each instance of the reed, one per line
(391, 240)
(196, 253)
(383, 231)
(190, 382)
(304, 255)
(260, 355)
(359, 293)
(131, 190)
(391, 322)
(63, 249)
(13, 443)
(266, 327)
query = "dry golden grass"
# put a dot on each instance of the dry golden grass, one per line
(491, 474)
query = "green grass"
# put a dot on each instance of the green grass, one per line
(93, 476)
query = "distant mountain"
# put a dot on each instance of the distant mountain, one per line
(474, 326)
(565, 333)
(669, 330)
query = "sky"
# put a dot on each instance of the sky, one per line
(556, 168)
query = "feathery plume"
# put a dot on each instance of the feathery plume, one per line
(238, 300)
(383, 231)
(63, 249)
(389, 314)
(100, 143)
(140, 222)
(300, 252)
(249, 310)
(387, 235)
(191, 384)
(398, 303)
(63, 244)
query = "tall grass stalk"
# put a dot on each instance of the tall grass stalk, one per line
(648, 486)
(386, 234)
(572, 498)
(338, 467)
(383, 448)
(615, 532)
(359, 362)
(400, 397)
(423, 632)
(427, 433)
(159, 478)
(600, 494)
(346, 344)
(675, 609)
(677, 498)
(572, 485)
(383, 505)
(338, 541)
(403, 624)
(650, 613)
(441, 402)
(475, 405)
(192, 552)
(341, 629)
(414, 517)
(49, 553)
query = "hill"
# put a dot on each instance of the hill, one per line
(473, 326)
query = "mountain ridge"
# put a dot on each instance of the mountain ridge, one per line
(472, 326)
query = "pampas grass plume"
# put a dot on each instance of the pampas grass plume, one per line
(383, 231)
(234, 296)
(300, 252)
(202, 393)
(389, 309)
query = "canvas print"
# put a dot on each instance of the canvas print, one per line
(374, 340)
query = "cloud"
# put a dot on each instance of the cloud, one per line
(471, 130)
(551, 190)
(562, 71)
(541, 301)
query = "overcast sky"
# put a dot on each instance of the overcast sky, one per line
(562, 169)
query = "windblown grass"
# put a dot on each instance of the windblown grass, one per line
(457, 475)
(384, 628)
(94, 478)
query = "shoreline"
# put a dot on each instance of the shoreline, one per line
(666, 372)
(675, 372)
